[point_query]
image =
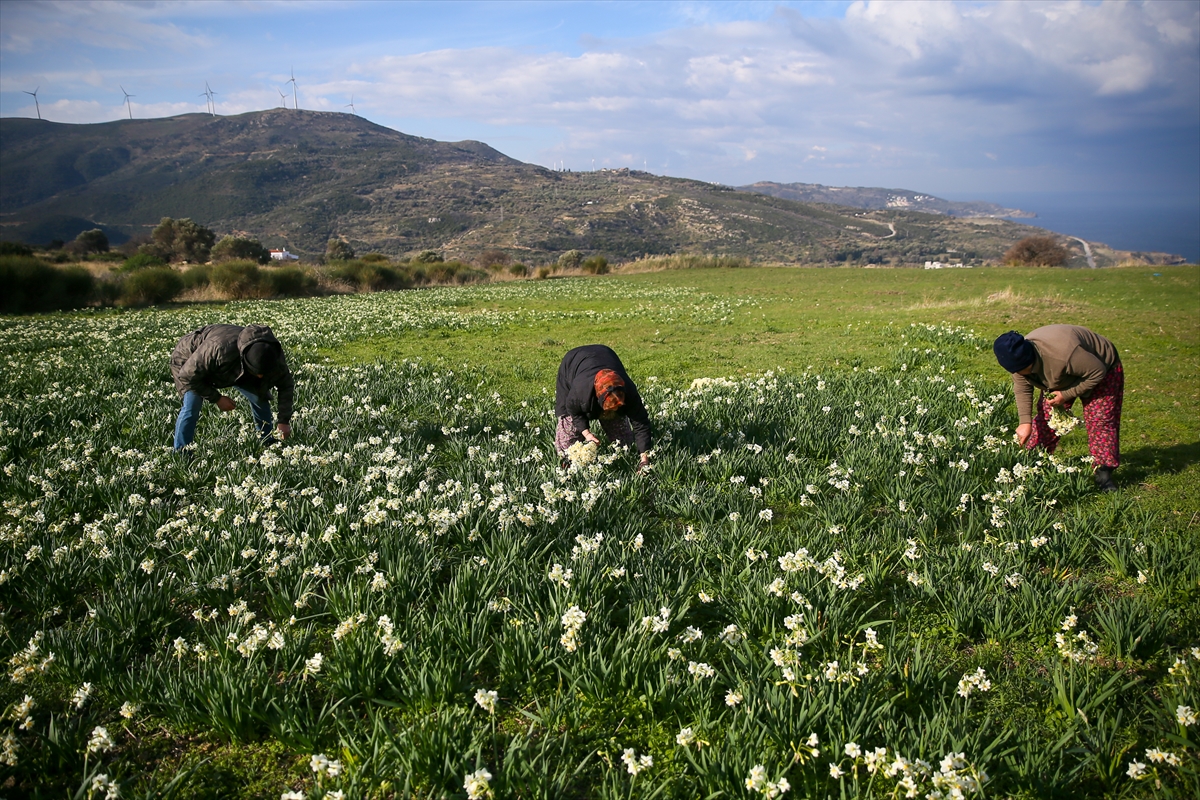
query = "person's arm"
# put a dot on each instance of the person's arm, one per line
(287, 394)
(639, 420)
(1023, 390)
(1086, 366)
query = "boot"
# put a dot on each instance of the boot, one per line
(1104, 480)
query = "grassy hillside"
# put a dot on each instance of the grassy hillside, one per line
(297, 178)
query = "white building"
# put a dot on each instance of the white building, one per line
(284, 255)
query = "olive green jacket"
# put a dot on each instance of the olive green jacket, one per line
(1070, 359)
(210, 359)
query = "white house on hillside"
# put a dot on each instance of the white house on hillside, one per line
(284, 255)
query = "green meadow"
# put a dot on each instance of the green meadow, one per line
(833, 317)
(840, 578)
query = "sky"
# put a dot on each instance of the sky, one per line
(951, 98)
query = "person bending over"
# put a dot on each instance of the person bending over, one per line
(1066, 362)
(592, 384)
(249, 359)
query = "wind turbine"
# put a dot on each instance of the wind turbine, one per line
(282, 98)
(208, 94)
(295, 99)
(127, 96)
(351, 105)
(33, 94)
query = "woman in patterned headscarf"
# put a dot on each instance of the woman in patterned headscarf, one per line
(592, 384)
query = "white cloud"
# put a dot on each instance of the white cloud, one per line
(911, 86)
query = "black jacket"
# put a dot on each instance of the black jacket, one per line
(210, 358)
(575, 391)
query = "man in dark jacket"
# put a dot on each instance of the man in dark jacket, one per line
(592, 384)
(249, 359)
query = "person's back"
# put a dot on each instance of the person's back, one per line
(248, 358)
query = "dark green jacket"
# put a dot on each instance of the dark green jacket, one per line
(210, 359)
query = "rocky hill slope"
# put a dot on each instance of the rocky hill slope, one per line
(298, 178)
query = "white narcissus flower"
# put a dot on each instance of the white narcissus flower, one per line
(477, 784)
(487, 699)
(100, 741)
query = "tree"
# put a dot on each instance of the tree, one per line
(338, 250)
(180, 240)
(232, 248)
(570, 260)
(1037, 251)
(93, 241)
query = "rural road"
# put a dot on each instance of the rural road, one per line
(1087, 251)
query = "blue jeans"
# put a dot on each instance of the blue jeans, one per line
(185, 425)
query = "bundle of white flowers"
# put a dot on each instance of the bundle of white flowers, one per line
(581, 454)
(1062, 421)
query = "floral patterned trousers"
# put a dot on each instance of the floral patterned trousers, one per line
(616, 429)
(1101, 417)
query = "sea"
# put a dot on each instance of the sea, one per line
(1125, 221)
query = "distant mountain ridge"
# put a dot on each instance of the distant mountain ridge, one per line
(876, 199)
(296, 179)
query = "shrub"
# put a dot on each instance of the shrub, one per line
(428, 257)
(28, 284)
(180, 240)
(371, 276)
(197, 276)
(338, 250)
(1037, 251)
(570, 260)
(596, 265)
(543, 273)
(518, 270)
(493, 259)
(151, 286)
(443, 272)
(141, 261)
(686, 261)
(466, 274)
(93, 241)
(15, 249)
(236, 279)
(288, 281)
(376, 258)
(241, 248)
(131, 246)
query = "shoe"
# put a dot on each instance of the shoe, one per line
(1104, 480)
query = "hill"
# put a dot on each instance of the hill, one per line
(876, 199)
(297, 178)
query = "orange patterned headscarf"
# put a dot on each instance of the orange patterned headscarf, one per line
(610, 390)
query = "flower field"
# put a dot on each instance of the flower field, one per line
(838, 583)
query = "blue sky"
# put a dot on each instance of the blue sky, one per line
(965, 98)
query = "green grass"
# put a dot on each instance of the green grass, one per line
(144, 574)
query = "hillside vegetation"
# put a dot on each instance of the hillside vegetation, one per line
(296, 179)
